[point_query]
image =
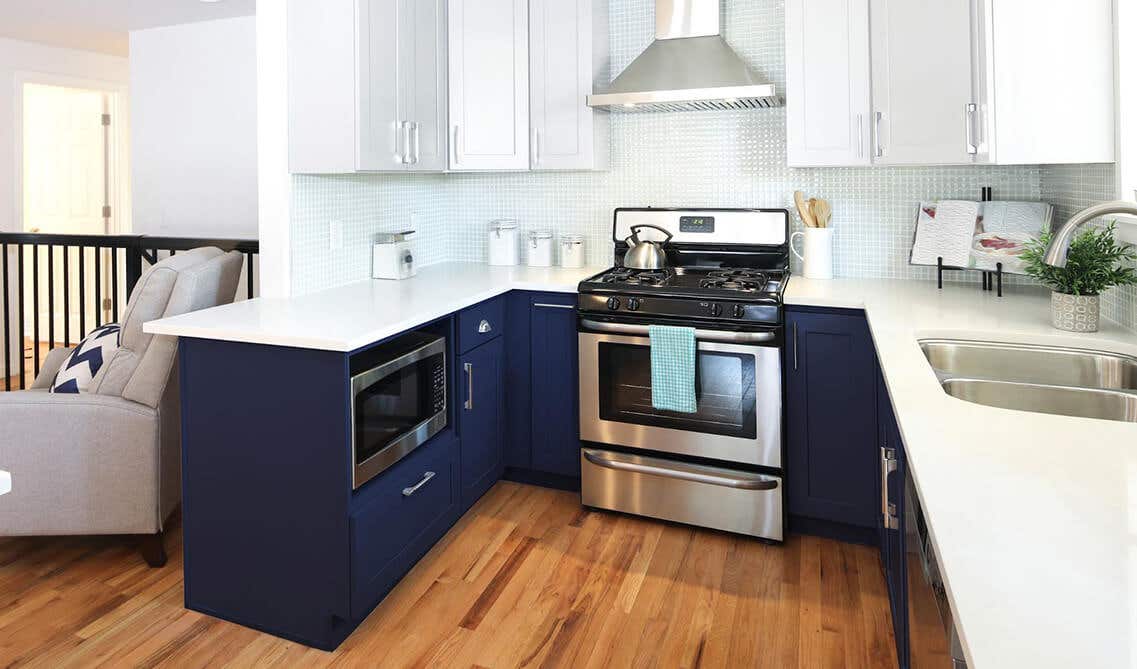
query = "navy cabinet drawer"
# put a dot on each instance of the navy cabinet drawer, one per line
(480, 323)
(399, 522)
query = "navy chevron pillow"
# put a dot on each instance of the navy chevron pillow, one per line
(86, 359)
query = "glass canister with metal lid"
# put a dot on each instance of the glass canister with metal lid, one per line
(503, 242)
(540, 248)
(572, 251)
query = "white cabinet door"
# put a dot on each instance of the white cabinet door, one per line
(382, 144)
(423, 83)
(828, 85)
(921, 81)
(489, 84)
(564, 38)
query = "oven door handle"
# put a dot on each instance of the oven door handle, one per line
(693, 473)
(722, 336)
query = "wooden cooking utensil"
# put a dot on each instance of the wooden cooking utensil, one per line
(821, 211)
(803, 210)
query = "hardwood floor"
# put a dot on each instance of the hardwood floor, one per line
(526, 578)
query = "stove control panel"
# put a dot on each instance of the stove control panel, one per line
(682, 308)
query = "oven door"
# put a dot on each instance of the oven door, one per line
(396, 407)
(738, 385)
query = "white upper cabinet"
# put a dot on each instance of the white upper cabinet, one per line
(952, 82)
(921, 81)
(489, 84)
(828, 89)
(568, 57)
(367, 85)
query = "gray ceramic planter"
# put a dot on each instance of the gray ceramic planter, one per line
(1075, 313)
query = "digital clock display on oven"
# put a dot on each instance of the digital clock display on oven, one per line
(697, 224)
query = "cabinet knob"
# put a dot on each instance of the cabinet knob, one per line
(484, 327)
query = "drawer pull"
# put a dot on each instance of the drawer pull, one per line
(407, 492)
(484, 327)
(692, 473)
(543, 305)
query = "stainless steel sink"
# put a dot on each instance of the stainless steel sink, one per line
(1025, 363)
(1042, 379)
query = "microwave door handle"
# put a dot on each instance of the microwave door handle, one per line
(469, 369)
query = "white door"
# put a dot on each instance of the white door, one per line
(489, 84)
(382, 137)
(560, 80)
(422, 39)
(921, 81)
(828, 84)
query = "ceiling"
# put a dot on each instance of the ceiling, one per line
(102, 25)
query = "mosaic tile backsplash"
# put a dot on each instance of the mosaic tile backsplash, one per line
(730, 159)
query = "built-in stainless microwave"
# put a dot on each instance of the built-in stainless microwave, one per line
(397, 403)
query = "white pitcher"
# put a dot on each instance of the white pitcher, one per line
(817, 252)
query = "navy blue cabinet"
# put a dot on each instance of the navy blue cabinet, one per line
(831, 418)
(893, 555)
(554, 372)
(480, 418)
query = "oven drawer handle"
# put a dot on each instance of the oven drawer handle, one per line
(407, 492)
(705, 335)
(701, 475)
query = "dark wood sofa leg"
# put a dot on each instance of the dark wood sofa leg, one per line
(153, 549)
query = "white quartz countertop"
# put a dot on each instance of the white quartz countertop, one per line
(1032, 515)
(358, 314)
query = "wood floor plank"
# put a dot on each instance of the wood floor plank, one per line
(526, 578)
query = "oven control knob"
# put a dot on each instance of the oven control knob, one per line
(739, 311)
(633, 303)
(613, 303)
(716, 309)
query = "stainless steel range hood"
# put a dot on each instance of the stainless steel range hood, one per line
(688, 67)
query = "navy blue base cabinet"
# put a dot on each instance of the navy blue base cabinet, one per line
(480, 418)
(831, 423)
(893, 549)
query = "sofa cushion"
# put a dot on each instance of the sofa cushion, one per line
(86, 359)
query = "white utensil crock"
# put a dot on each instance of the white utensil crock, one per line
(817, 252)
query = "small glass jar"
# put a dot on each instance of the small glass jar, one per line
(572, 251)
(540, 248)
(503, 242)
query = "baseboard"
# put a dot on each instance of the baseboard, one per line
(851, 534)
(543, 479)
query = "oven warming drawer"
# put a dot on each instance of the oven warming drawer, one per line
(723, 499)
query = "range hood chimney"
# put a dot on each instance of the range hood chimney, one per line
(688, 67)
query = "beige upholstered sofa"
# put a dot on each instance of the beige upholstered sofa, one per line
(108, 461)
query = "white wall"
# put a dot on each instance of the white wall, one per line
(193, 106)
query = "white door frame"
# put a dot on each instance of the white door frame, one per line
(119, 145)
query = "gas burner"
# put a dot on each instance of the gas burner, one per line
(637, 277)
(733, 284)
(748, 275)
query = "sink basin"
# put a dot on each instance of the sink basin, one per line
(1047, 365)
(1063, 401)
(1042, 379)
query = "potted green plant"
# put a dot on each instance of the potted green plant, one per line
(1096, 262)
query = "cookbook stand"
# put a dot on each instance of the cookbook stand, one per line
(991, 280)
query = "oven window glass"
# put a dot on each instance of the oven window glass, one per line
(724, 389)
(393, 406)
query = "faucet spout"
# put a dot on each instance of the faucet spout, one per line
(1060, 242)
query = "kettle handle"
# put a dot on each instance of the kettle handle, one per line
(636, 237)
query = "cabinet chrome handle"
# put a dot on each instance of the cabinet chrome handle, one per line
(969, 110)
(888, 465)
(795, 347)
(543, 305)
(469, 367)
(405, 126)
(418, 141)
(860, 135)
(457, 153)
(484, 327)
(879, 142)
(407, 492)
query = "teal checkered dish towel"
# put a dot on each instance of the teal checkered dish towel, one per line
(672, 368)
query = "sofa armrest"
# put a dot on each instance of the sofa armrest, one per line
(82, 464)
(50, 367)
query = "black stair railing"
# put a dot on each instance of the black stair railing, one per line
(97, 274)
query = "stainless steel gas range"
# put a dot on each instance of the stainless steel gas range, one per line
(720, 466)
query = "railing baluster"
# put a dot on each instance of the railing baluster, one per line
(98, 287)
(66, 298)
(35, 308)
(7, 325)
(114, 283)
(20, 317)
(82, 292)
(50, 296)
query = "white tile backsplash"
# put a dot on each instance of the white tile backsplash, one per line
(733, 159)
